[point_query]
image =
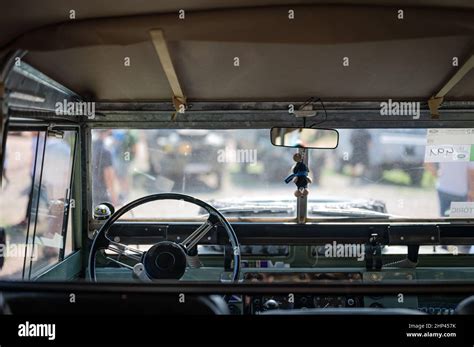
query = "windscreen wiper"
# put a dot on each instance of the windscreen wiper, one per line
(343, 209)
(256, 209)
(287, 210)
(347, 212)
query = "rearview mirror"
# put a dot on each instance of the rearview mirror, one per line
(305, 137)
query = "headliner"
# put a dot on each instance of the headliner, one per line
(279, 59)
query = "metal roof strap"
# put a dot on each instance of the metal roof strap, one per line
(435, 101)
(179, 100)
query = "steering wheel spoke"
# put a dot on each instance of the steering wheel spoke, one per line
(122, 251)
(192, 258)
(125, 250)
(118, 262)
(193, 239)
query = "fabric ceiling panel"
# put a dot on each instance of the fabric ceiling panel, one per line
(409, 69)
(280, 59)
(21, 16)
(100, 72)
(314, 25)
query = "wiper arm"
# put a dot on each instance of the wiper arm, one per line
(332, 209)
(348, 212)
(256, 209)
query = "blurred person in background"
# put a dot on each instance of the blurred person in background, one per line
(360, 141)
(105, 180)
(124, 149)
(455, 183)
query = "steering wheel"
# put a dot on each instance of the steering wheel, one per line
(165, 259)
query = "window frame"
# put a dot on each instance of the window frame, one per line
(28, 273)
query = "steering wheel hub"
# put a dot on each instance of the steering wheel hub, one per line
(165, 260)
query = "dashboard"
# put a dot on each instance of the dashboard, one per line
(261, 303)
(333, 288)
(264, 304)
(279, 253)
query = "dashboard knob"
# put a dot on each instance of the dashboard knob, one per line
(271, 304)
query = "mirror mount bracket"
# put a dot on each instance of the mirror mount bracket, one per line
(305, 113)
(305, 110)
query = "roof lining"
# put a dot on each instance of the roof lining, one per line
(363, 26)
(261, 25)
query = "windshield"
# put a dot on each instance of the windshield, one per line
(373, 173)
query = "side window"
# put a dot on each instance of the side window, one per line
(15, 200)
(37, 178)
(47, 239)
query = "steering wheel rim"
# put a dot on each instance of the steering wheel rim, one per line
(101, 238)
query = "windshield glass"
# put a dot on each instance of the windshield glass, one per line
(373, 173)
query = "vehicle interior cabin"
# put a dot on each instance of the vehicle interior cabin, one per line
(237, 157)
